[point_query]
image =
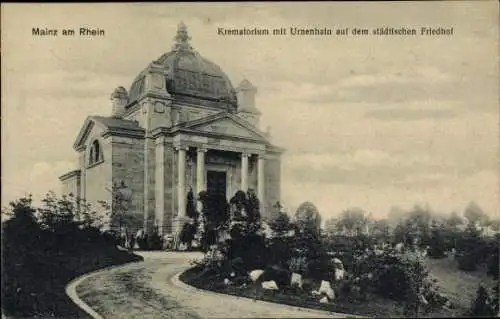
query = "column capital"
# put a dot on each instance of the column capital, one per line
(245, 154)
(201, 149)
(262, 156)
(182, 147)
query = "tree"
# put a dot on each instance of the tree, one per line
(437, 241)
(495, 225)
(215, 217)
(121, 200)
(469, 248)
(308, 218)
(380, 229)
(352, 221)
(415, 229)
(416, 275)
(191, 206)
(483, 305)
(280, 224)
(22, 228)
(331, 226)
(476, 215)
(454, 220)
(246, 242)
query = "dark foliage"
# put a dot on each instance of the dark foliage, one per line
(471, 249)
(216, 217)
(41, 255)
(437, 241)
(482, 306)
(191, 206)
(187, 233)
(277, 273)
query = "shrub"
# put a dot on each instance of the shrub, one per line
(43, 249)
(187, 233)
(155, 241)
(279, 274)
(437, 241)
(482, 306)
(308, 244)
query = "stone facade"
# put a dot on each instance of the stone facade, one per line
(181, 123)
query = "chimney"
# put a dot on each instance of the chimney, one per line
(119, 98)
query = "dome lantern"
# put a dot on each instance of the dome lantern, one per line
(182, 38)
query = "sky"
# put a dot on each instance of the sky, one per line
(367, 121)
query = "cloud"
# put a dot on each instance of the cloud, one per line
(409, 114)
(364, 167)
(36, 179)
(340, 106)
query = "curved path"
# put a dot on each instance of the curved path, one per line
(151, 289)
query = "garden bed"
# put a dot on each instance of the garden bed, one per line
(374, 306)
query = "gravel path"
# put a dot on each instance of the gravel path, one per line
(150, 289)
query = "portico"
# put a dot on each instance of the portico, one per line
(202, 171)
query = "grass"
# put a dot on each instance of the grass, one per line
(34, 282)
(458, 285)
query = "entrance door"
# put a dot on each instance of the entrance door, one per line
(216, 183)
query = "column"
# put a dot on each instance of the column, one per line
(181, 184)
(200, 175)
(160, 183)
(260, 179)
(244, 171)
(149, 172)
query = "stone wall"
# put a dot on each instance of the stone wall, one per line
(149, 182)
(164, 166)
(97, 176)
(128, 166)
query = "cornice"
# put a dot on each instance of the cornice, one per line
(137, 134)
(70, 174)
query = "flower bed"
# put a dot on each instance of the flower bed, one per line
(375, 307)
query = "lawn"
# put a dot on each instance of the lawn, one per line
(458, 285)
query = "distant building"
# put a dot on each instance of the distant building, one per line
(181, 125)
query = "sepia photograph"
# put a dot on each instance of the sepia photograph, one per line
(250, 160)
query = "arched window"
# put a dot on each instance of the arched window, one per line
(95, 154)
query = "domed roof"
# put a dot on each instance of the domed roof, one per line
(190, 77)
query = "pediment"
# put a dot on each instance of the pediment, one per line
(229, 126)
(86, 131)
(101, 125)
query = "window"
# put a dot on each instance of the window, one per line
(95, 155)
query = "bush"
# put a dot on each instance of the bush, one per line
(279, 274)
(187, 233)
(471, 249)
(155, 241)
(437, 242)
(43, 249)
(483, 305)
